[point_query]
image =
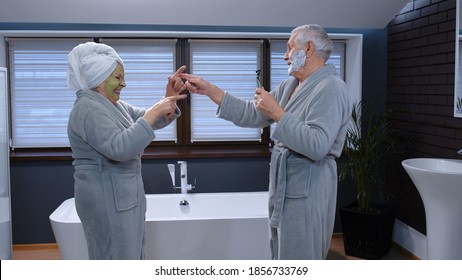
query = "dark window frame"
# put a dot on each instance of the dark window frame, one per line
(182, 148)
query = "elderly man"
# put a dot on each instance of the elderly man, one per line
(312, 110)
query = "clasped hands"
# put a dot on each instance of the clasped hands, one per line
(264, 101)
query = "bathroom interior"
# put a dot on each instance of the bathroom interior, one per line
(408, 50)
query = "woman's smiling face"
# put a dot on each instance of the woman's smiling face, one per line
(112, 86)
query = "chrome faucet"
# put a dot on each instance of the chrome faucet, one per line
(185, 187)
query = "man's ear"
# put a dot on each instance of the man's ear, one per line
(309, 46)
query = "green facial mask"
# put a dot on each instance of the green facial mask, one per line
(114, 83)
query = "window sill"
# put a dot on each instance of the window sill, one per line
(153, 152)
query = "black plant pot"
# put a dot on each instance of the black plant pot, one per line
(367, 235)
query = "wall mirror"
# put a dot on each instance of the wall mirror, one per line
(458, 70)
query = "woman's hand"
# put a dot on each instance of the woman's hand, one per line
(165, 107)
(175, 85)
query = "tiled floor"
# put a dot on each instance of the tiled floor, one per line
(337, 252)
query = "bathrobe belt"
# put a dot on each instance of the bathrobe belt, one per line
(279, 181)
(101, 165)
(279, 178)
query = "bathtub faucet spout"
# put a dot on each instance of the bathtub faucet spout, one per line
(185, 187)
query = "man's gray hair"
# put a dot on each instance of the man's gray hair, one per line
(317, 35)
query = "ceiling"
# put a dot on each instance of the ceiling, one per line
(271, 13)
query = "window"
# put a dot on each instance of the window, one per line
(230, 65)
(41, 101)
(147, 64)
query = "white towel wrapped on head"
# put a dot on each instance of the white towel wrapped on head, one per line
(90, 64)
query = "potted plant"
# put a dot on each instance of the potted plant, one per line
(371, 139)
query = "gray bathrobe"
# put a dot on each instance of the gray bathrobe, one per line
(107, 143)
(303, 172)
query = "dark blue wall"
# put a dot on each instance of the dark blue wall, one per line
(38, 188)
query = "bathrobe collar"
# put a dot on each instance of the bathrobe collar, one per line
(117, 110)
(307, 85)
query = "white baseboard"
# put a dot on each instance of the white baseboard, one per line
(410, 239)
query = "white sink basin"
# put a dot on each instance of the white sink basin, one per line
(439, 182)
(435, 165)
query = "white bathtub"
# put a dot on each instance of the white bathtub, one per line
(212, 226)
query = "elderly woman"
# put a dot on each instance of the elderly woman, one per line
(108, 136)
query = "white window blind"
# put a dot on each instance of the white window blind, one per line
(41, 101)
(230, 65)
(147, 63)
(279, 65)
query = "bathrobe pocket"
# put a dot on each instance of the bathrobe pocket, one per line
(125, 187)
(298, 174)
